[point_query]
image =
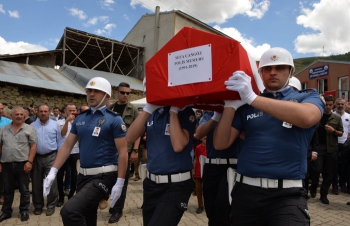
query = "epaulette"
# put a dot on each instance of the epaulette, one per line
(113, 112)
(308, 90)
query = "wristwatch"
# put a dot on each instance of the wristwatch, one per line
(136, 150)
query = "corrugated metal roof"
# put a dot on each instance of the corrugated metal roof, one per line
(82, 75)
(39, 77)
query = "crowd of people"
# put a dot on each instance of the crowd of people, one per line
(252, 164)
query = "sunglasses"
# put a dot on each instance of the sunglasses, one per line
(123, 93)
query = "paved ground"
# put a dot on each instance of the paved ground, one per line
(337, 213)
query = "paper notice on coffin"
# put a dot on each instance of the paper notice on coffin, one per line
(192, 65)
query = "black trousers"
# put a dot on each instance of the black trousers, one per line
(81, 209)
(269, 207)
(14, 173)
(164, 204)
(59, 178)
(119, 205)
(325, 164)
(341, 169)
(215, 194)
(307, 176)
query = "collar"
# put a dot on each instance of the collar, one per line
(38, 119)
(284, 92)
(22, 125)
(101, 109)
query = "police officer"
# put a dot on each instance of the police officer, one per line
(168, 185)
(278, 127)
(103, 156)
(215, 185)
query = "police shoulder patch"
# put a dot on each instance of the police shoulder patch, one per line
(123, 127)
(192, 118)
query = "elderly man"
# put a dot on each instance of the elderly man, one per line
(18, 147)
(3, 121)
(49, 135)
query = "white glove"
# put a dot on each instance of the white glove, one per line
(150, 108)
(116, 191)
(49, 180)
(216, 117)
(235, 104)
(175, 109)
(241, 83)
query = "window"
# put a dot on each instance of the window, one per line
(343, 87)
(322, 86)
(304, 85)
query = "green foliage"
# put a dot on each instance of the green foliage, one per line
(301, 63)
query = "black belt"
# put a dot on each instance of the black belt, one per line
(47, 154)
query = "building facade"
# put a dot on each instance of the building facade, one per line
(327, 77)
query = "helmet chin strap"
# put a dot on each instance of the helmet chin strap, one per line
(99, 104)
(283, 87)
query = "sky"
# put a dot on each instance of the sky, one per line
(306, 28)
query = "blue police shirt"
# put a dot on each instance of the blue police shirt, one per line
(272, 148)
(230, 152)
(49, 135)
(161, 157)
(97, 151)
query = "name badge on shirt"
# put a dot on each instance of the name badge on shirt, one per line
(96, 131)
(167, 130)
(287, 125)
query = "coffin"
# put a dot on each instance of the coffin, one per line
(192, 67)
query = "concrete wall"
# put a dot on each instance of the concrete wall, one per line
(142, 34)
(25, 96)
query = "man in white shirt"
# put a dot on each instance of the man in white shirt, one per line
(65, 125)
(342, 164)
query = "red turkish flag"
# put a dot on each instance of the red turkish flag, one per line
(329, 93)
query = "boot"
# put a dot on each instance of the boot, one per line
(324, 199)
(312, 192)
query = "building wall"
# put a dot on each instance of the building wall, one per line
(142, 34)
(336, 71)
(25, 96)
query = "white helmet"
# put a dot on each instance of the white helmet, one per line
(276, 56)
(294, 82)
(100, 83)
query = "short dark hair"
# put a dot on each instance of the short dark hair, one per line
(123, 84)
(37, 108)
(26, 109)
(199, 111)
(56, 108)
(329, 98)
